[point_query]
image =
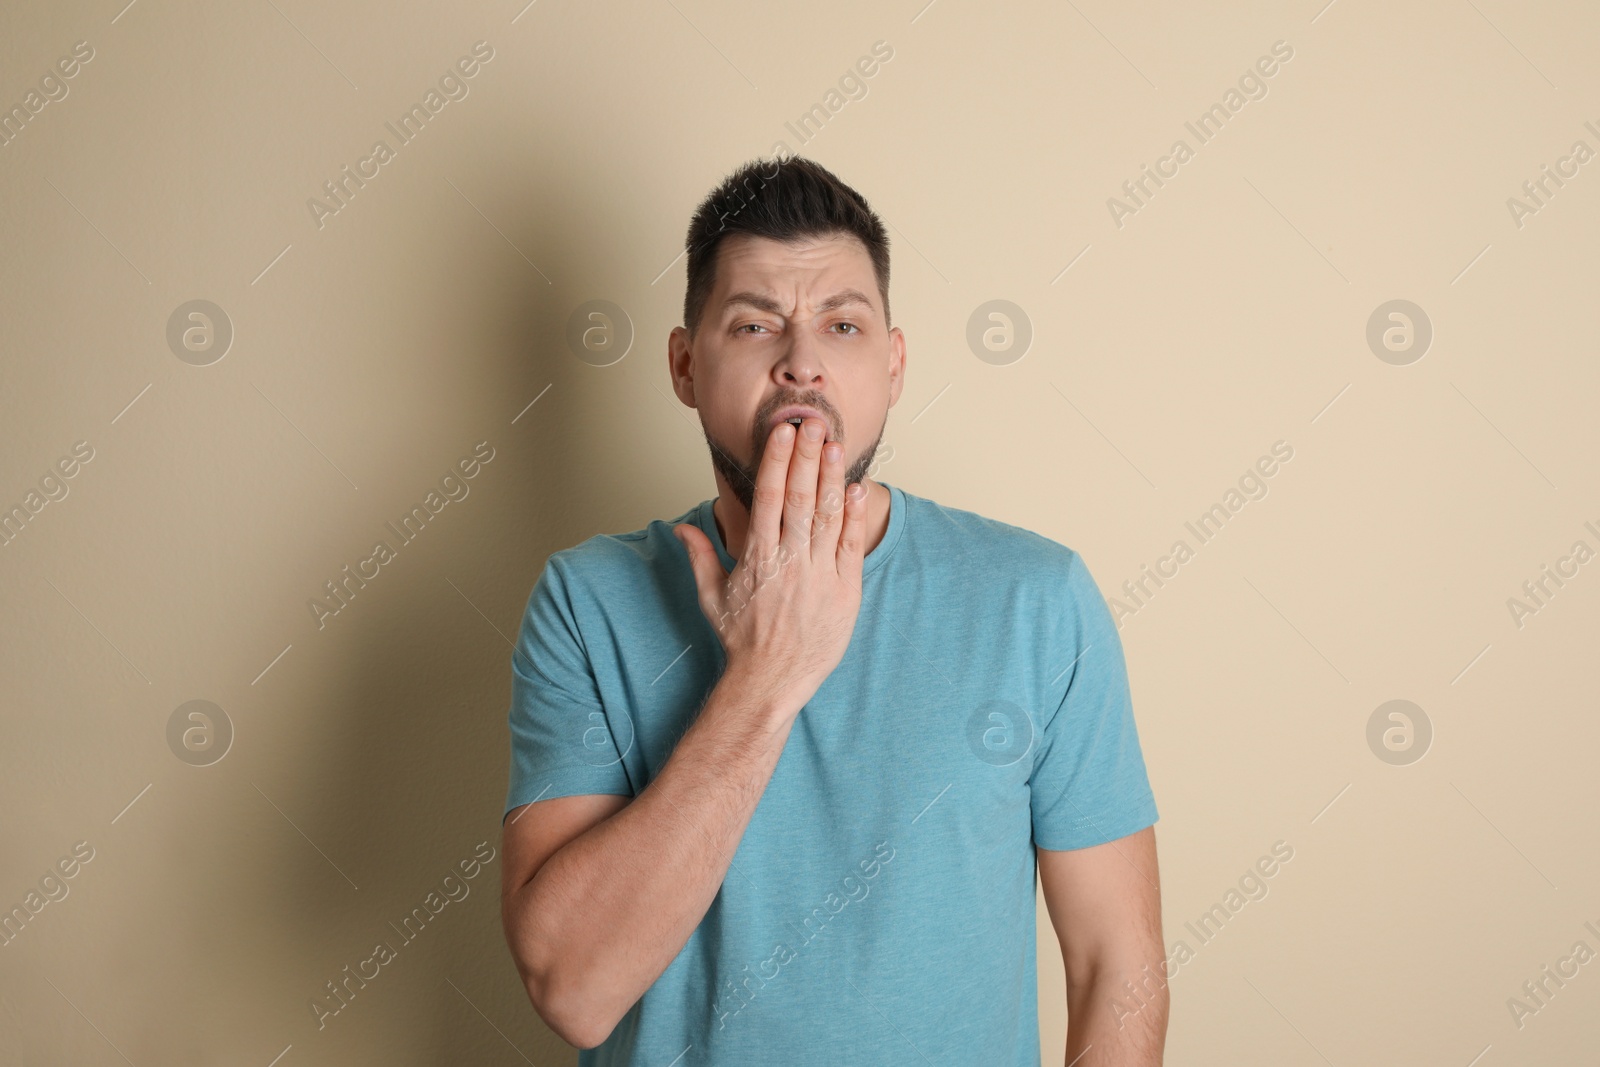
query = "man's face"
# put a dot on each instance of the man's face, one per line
(785, 324)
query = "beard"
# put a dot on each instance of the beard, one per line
(741, 478)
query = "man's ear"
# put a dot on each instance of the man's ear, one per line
(897, 364)
(680, 364)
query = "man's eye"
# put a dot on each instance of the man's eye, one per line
(749, 325)
(852, 326)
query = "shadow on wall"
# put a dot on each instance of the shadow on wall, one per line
(408, 776)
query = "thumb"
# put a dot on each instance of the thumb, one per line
(708, 572)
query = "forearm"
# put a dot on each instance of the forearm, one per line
(1117, 1017)
(610, 910)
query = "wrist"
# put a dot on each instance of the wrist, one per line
(759, 697)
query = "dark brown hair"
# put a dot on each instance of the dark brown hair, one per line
(783, 199)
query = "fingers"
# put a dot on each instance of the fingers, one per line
(853, 534)
(800, 499)
(830, 505)
(766, 507)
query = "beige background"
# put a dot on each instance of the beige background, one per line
(370, 354)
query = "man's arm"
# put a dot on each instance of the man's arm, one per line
(599, 893)
(1105, 904)
(593, 926)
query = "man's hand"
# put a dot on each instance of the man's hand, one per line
(786, 613)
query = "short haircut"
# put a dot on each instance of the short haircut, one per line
(784, 199)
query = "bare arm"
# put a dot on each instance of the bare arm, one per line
(599, 897)
(595, 925)
(1105, 904)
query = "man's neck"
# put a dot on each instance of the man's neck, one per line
(733, 521)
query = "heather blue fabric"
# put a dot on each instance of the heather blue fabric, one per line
(880, 906)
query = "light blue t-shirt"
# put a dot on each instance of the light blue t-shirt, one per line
(880, 908)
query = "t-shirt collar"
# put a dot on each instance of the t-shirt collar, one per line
(707, 522)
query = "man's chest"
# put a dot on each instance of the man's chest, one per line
(931, 718)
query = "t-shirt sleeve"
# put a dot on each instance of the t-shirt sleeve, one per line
(1089, 784)
(563, 738)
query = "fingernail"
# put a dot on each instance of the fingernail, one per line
(831, 452)
(813, 430)
(786, 432)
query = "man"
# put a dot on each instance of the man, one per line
(784, 769)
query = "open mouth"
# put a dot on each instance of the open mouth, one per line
(797, 419)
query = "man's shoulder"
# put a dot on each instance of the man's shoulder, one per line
(619, 559)
(1005, 545)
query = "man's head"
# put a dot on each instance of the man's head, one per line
(787, 303)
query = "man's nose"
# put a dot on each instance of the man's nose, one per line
(801, 362)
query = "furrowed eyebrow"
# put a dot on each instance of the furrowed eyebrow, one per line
(843, 298)
(759, 301)
(764, 302)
